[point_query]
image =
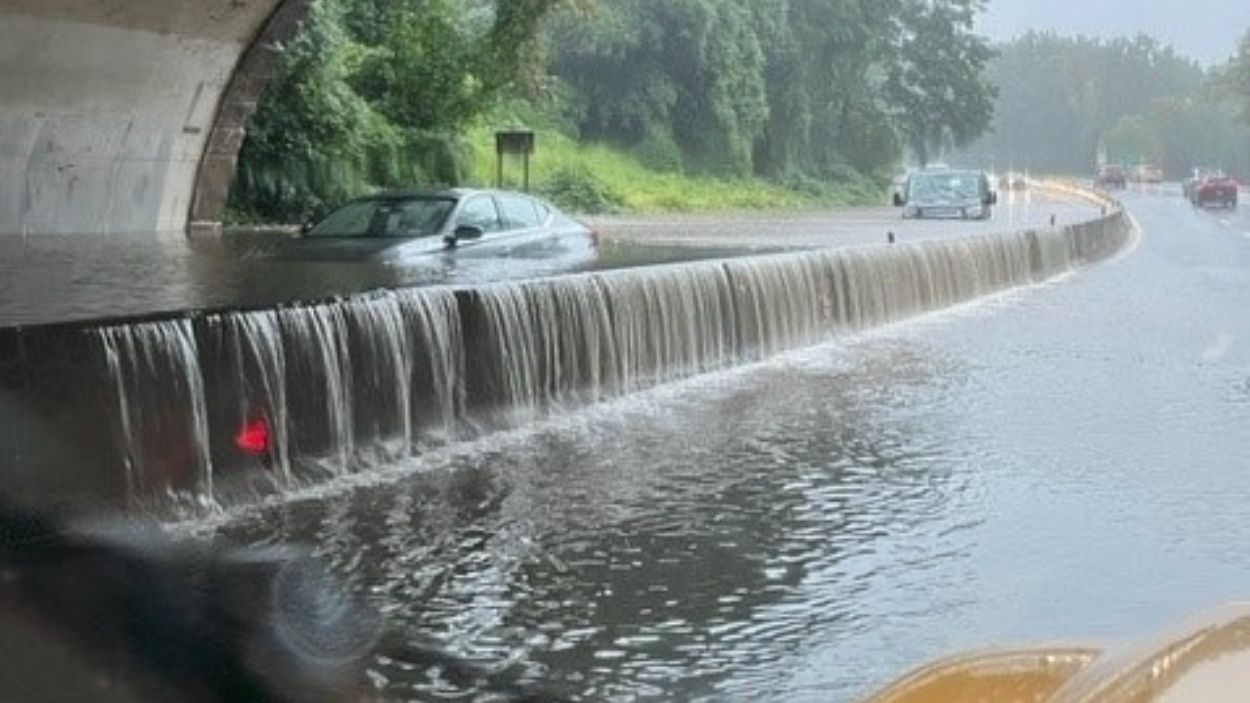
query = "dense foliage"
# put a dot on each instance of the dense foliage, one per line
(379, 93)
(1064, 100)
(779, 88)
(1238, 76)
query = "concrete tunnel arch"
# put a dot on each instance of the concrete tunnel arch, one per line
(127, 116)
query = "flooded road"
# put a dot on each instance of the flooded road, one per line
(51, 279)
(852, 227)
(1062, 463)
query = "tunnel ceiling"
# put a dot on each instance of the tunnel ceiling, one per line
(123, 116)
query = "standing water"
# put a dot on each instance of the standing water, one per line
(1063, 465)
(245, 404)
(686, 542)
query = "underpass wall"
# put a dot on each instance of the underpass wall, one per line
(112, 111)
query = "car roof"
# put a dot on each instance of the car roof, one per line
(442, 193)
(947, 171)
(432, 193)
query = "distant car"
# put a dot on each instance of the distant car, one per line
(1147, 174)
(402, 224)
(951, 194)
(1196, 177)
(1220, 190)
(1013, 182)
(1112, 177)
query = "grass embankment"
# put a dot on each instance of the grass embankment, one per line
(596, 178)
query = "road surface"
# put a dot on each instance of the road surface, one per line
(854, 227)
(61, 279)
(1063, 463)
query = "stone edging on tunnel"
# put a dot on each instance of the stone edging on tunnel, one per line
(255, 69)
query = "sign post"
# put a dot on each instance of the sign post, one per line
(517, 143)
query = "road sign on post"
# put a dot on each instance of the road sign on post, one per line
(516, 143)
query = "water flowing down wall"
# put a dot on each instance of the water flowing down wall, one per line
(214, 409)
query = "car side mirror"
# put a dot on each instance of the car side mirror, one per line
(991, 198)
(468, 233)
(899, 200)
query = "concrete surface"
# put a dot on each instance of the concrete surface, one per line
(115, 113)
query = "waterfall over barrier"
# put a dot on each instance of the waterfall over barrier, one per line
(213, 409)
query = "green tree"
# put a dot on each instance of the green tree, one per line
(935, 84)
(313, 139)
(825, 78)
(1134, 139)
(777, 88)
(1063, 100)
(1239, 75)
(375, 94)
(688, 72)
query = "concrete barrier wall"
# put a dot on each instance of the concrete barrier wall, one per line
(135, 413)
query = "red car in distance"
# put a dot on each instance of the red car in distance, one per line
(1215, 190)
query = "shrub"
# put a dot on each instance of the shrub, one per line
(659, 152)
(579, 190)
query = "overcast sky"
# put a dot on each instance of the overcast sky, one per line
(1208, 30)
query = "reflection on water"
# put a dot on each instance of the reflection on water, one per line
(686, 547)
(63, 278)
(1062, 465)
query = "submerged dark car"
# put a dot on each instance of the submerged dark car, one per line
(401, 225)
(952, 194)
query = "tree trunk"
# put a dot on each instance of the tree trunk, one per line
(921, 147)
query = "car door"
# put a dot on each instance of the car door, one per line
(482, 212)
(417, 225)
(523, 225)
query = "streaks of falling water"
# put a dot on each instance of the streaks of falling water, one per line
(546, 344)
(322, 361)
(432, 318)
(363, 382)
(381, 370)
(340, 387)
(258, 347)
(162, 423)
(383, 373)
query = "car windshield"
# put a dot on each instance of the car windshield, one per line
(945, 187)
(386, 217)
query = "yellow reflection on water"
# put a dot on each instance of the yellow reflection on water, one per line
(1224, 680)
(1023, 676)
(1206, 661)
